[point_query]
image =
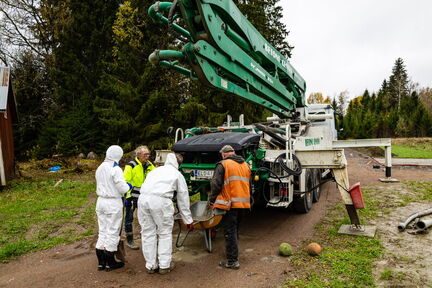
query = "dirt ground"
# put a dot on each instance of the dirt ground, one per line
(74, 265)
(407, 258)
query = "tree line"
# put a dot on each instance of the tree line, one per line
(82, 79)
(399, 109)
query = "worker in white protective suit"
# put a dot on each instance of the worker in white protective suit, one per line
(156, 213)
(110, 187)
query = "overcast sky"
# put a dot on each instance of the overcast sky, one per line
(352, 45)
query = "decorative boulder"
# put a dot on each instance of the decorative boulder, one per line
(285, 249)
(91, 155)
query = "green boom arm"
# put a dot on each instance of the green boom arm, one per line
(225, 51)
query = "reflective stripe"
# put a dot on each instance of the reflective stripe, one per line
(234, 178)
(132, 163)
(227, 203)
(135, 192)
(240, 199)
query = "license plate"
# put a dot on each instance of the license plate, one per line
(203, 174)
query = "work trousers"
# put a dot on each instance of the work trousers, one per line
(130, 204)
(231, 224)
(109, 213)
(156, 217)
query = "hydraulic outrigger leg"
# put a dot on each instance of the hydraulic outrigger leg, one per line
(341, 178)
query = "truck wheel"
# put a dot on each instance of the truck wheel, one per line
(317, 180)
(303, 204)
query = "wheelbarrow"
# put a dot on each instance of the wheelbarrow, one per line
(204, 218)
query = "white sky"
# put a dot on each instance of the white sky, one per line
(352, 45)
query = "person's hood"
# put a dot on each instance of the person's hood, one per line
(171, 160)
(114, 153)
(237, 158)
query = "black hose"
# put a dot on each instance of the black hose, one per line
(171, 18)
(279, 141)
(276, 176)
(171, 14)
(319, 184)
(297, 172)
(295, 193)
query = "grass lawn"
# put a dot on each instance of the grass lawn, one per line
(403, 148)
(412, 147)
(35, 215)
(412, 151)
(346, 261)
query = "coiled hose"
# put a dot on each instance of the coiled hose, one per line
(280, 159)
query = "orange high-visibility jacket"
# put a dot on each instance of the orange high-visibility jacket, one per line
(236, 189)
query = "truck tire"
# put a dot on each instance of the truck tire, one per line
(303, 204)
(317, 180)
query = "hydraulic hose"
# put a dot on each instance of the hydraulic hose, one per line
(171, 18)
(171, 14)
(319, 184)
(404, 223)
(280, 160)
(276, 176)
(155, 11)
(280, 141)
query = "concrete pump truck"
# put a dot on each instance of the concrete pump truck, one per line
(293, 150)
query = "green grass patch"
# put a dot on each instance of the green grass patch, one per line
(422, 189)
(35, 215)
(416, 150)
(388, 274)
(346, 261)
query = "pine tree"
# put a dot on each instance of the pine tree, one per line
(33, 96)
(398, 84)
(85, 42)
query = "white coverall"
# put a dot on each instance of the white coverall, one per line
(156, 212)
(110, 186)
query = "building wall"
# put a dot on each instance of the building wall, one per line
(6, 136)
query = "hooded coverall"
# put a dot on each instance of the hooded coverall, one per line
(110, 186)
(156, 212)
(135, 173)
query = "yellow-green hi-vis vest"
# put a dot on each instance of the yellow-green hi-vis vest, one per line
(135, 173)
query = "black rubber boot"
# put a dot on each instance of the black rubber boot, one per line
(130, 242)
(111, 263)
(101, 259)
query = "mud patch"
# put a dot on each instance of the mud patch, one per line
(406, 261)
(68, 229)
(193, 249)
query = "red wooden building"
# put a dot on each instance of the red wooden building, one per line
(8, 117)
